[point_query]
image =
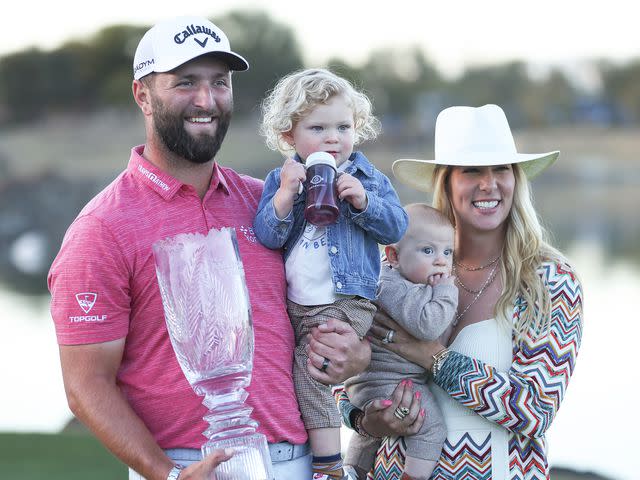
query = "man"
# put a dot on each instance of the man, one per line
(120, 372)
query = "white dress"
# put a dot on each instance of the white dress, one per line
(484, 442)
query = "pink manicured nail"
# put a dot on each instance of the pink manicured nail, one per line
(403, 382)
(422, 413)
(410, 383)
(418, 395)
(386, 403)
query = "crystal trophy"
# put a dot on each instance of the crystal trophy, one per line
(208, 316)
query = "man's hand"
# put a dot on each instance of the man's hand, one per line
(339, 344)
(203, 470)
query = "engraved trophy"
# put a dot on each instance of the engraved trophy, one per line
(208, 316)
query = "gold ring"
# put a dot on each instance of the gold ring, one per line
(401, 412)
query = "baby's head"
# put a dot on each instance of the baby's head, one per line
(317, 110)
(427, 246)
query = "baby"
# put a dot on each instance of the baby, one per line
(417, 290)
(332, 271)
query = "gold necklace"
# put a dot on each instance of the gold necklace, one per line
(475, 269)
(459, 282)
(487, 282)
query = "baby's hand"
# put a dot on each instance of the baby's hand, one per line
(291, 175)
(351, 190)
(441, 279)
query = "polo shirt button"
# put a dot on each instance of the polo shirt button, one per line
(339, 285)
(334, 250)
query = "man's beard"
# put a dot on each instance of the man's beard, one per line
(200, 149)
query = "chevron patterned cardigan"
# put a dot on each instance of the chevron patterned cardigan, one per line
(523, 400)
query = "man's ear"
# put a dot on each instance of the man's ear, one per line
(142, 96)
(392, 255)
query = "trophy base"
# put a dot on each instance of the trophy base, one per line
(251, 460)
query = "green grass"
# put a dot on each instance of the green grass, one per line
(79, 456)
(65, 456)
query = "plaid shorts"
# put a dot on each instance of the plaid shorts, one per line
(317, 405)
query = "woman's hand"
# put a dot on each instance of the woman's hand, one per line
(380, 420)
(402, 343)
(345, 354)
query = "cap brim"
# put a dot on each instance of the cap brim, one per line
(419, 173)
(235, 61)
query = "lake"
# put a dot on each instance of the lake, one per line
(586, 435)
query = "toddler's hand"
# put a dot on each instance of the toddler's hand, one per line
(291, 175)
(441, 279)
(351, 190)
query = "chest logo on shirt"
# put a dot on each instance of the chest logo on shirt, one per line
(86, 300)
(248, 233)
(313, 237)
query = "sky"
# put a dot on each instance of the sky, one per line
(453, 34)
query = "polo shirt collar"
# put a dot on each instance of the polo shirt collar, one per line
(218, 179)
(161, 182)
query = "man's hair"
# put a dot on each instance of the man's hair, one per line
(526, 246)
(295, 95)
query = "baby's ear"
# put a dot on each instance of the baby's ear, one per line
(392, 255)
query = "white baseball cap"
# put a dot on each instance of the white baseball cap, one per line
(170, 43)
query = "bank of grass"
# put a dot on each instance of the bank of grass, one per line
(68, 456)
(79, 456)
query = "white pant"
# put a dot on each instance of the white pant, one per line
(298, 468)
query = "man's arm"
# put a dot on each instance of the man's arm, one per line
(89, 374)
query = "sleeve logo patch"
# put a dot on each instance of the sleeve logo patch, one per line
(86, 300)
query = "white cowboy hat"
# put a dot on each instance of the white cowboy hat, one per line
(467, 136)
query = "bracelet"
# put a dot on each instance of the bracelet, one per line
(174, 473)
(438, 360)
(357, 425)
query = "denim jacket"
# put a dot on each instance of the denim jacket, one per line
(353, 240)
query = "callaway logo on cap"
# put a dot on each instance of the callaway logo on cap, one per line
(169, 44)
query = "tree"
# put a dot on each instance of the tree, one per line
(271, 50)
(622, 85)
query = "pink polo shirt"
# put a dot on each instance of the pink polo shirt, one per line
(103, 286)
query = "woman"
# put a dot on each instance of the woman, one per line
(505, 370)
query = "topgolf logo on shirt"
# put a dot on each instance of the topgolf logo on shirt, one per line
(87, 300)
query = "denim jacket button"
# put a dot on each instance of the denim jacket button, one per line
(339, 285)
(334, 249)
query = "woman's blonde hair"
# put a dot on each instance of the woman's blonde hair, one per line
(295, 95)
(526, 246)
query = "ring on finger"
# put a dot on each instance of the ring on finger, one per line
(401, 412)
(325, 365)
(388, 338)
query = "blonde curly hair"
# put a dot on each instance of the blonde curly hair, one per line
(526, 246)
(295, 95)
